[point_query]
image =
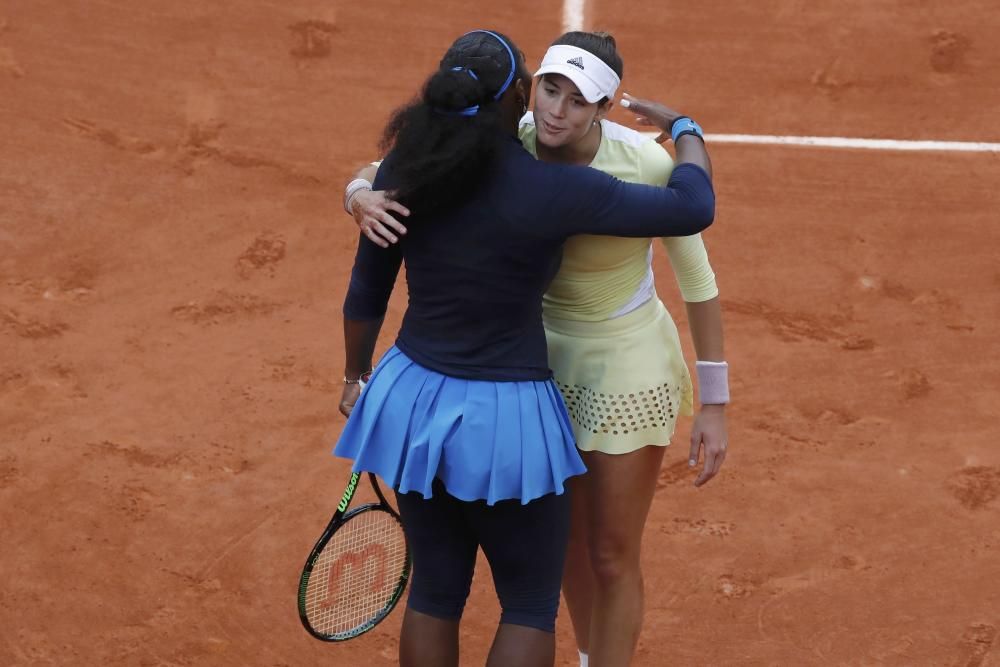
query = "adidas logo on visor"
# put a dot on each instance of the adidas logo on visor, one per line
(578, 62)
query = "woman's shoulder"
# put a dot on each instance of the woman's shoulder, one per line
(625, 136)
(641, 144)
(635, 153)
(527, 132)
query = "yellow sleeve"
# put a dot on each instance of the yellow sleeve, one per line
(688, 256)
(693, 272)
(527, 133)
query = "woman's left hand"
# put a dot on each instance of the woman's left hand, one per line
(709, 435)
(349, 398)
(373, 211)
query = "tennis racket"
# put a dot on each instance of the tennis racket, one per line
(357, 571)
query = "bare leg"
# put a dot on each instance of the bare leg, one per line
(621, 491)
(578, 577)
(426, 641)
(522, 646)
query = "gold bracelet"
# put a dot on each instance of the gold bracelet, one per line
(364, 377)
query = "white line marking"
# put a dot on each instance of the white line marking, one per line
(847, 142)
(573, 15)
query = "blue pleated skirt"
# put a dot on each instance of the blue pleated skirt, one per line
(484, 440)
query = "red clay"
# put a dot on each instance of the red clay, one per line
(172, 260)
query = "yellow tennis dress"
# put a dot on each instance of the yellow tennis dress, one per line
(613, 347)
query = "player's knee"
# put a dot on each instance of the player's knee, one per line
(529, 594)
(532, 610)
(440, 599)
(614, 560)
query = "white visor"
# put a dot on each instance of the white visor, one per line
(590, 74)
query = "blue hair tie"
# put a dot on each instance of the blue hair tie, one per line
(465, 69)
(468, 111)
(513, 61)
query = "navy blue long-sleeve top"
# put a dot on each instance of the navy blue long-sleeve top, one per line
(476, 272)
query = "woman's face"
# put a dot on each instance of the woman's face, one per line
(562, 116)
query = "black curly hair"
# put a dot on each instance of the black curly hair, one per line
(443, 142)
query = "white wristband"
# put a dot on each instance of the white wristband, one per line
(352, 189)
(713, 382)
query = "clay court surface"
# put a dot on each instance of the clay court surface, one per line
(173, 257)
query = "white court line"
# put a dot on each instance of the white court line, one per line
(573, 19)
(573, 15)
(847, 142)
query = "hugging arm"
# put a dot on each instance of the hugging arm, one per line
(591, 202)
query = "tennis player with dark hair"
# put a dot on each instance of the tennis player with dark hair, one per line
(613, 347)
(461, 417)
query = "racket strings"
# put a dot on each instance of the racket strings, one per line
(357, 575)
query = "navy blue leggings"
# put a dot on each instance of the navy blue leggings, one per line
(524, 544)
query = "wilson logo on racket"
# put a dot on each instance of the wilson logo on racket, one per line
(348, 493)
(356, 560)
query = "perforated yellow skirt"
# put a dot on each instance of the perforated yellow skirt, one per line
(624, 380)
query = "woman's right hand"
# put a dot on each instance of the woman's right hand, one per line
(652, 114)
(372, 210)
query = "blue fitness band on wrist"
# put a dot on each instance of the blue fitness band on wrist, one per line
(685, 125)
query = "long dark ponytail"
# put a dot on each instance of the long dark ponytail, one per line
(443, 142)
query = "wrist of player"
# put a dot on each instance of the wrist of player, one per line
(713, 383)
(684, 125)
(351, 191)
(357, 377)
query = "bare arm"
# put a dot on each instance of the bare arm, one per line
(705, 320)
(367, 172)
(690, 148)
(709, 434)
